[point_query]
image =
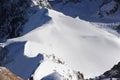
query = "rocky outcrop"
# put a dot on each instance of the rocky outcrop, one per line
(114, 72)
(42, 3)
(108, 7)
(5, 74)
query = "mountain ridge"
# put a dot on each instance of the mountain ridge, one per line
(59, 46)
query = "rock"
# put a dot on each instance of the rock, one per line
(5, 74)
(114, 72)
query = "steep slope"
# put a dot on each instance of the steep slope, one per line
(81, 45)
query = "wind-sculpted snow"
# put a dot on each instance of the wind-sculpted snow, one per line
(82, 46)
(55, 46)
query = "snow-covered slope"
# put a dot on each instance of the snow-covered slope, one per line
(78, 43)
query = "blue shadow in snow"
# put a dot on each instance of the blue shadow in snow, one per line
(37, 20)
(18, 63)
(53, 76)
(85, 10)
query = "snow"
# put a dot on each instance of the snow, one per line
(44, 70)
(80, 44)
(35, 2)
(53, 76)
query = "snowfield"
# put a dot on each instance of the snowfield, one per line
(82, 46)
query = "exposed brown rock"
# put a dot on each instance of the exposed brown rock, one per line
(5, 74)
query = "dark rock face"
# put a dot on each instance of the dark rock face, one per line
(117, 28)
(12, 17)
(114, 72)
(118, 1)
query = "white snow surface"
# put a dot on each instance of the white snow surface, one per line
(49, 67)
(80, 44)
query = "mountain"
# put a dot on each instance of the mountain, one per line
(67, 42)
